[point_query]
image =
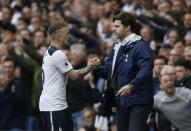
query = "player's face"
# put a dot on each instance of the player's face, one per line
(64, 35)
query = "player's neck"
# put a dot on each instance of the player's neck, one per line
(55, 45)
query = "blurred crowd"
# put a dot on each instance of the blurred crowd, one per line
(164, 24)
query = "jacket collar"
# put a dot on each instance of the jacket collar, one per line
(129, 41)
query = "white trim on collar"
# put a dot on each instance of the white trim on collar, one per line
(129, 39)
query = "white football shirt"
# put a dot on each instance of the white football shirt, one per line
(53, 96)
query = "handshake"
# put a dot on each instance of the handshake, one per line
(94, 63)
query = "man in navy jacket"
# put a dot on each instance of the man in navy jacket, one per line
(128, 71)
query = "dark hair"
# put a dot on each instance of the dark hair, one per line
(173, 29)
(126, 19)
(9, 58)
(66, 47)
(9, 27)
(56, 26)
(161, 57)
(185, 63)
(181, 41)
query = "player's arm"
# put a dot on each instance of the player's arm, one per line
(92, 64)
(74, 74)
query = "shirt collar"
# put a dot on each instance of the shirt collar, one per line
(127, 39)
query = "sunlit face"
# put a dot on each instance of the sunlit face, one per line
(119, 29)
(180, 72)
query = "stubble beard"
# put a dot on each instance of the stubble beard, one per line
(121, 37)
(118, 36)
(64, 43)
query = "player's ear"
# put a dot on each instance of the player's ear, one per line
(59, 36)
(128, 28)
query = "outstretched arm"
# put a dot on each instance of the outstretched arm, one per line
(92, 64)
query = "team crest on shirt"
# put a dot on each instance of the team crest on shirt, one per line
(60, 128)
(66, 63)
(126, 57)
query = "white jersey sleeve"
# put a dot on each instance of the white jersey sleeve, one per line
(61, 62)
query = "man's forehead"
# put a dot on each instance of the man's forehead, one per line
(168, 69)
(165, 77)
(117, 22)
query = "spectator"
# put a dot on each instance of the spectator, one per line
(183, 73)
(179, 45)
(36, 24)
(159, 62)
(187, 21)
(172, 36)
(39, 38)
(187, 53)
(187, 39)
(17, 98)
(147, 33)
(89, 119)
(6, 15)
(174, 55)
(171, 101)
